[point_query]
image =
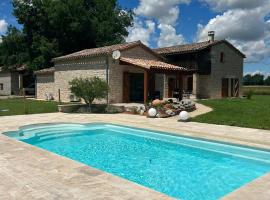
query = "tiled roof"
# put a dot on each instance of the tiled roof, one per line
(152, 64)
(46, 71)
(99, 51)
(13, 68)
(194, 47)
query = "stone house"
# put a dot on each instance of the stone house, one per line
(217, 65)
(139, 73)
(11, 81)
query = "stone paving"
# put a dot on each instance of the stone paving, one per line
(30, 173)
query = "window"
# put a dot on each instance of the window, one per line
(222, 57)
(1, 86)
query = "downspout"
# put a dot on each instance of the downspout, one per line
(107, 78)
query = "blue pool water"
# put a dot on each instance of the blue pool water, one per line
(180, 167)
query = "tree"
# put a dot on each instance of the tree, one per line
(89, 89)
(267, 81)
(53, 28)
(257, 79)
(247, 79)
(110, 22)
(12, 49)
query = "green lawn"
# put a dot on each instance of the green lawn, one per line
(254, 113)
(20, 107)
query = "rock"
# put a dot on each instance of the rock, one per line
(156, 102)
(170, 112)
(141, 112)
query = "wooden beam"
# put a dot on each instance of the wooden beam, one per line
(180, 79)
(145, 86)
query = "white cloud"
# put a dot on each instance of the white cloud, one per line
(165, 11)
(234, 24)
(141, 31)
(166, 14)
(246, 28)
(168, 36)
(266, 74)
(222, 5)
(3, 26)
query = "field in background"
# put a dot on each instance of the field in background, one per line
(253, 113)
(258, 90)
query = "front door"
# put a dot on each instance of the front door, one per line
(225, 88)
(136, 89)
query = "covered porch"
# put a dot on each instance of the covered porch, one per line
(158, 80)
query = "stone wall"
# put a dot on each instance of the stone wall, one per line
(65, 71)
(5, 79)
(116, 72)
(80, 68)
(210, 86)
(45, 84)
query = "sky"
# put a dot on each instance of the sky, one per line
(160, 23)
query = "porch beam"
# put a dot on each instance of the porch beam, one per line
(180, 79)
(145, 85)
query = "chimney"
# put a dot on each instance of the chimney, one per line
(211, 36)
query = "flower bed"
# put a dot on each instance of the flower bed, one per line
(169, 108)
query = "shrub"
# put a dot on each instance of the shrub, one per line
(89, 89)
(249, 94)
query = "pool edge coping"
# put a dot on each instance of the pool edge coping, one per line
(200, 134)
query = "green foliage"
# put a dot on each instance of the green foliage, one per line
(52, 28)
(249, 94)
(254, 113)
(12, 48)
(109, 21)
(89, 89)
(256, 79)
(267, 81)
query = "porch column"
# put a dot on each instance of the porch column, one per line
(180, 79)
(145, 85)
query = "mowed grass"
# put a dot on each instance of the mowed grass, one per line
(258, 90)
(21, 107)
(254, 113)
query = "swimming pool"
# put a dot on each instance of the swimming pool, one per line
(180, 167)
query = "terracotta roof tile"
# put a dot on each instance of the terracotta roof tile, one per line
(194, 47)
(98, 51)
(46, 71)
(186, 48)
(152, 64)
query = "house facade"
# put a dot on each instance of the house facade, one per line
(11, 81)
(217, 65)
(136, 76)
(140, 73)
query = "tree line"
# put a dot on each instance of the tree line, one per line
(51, 28)
(256, 79)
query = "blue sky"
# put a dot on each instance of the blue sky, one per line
(245, 23)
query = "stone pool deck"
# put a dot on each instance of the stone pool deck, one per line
(30, 173)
